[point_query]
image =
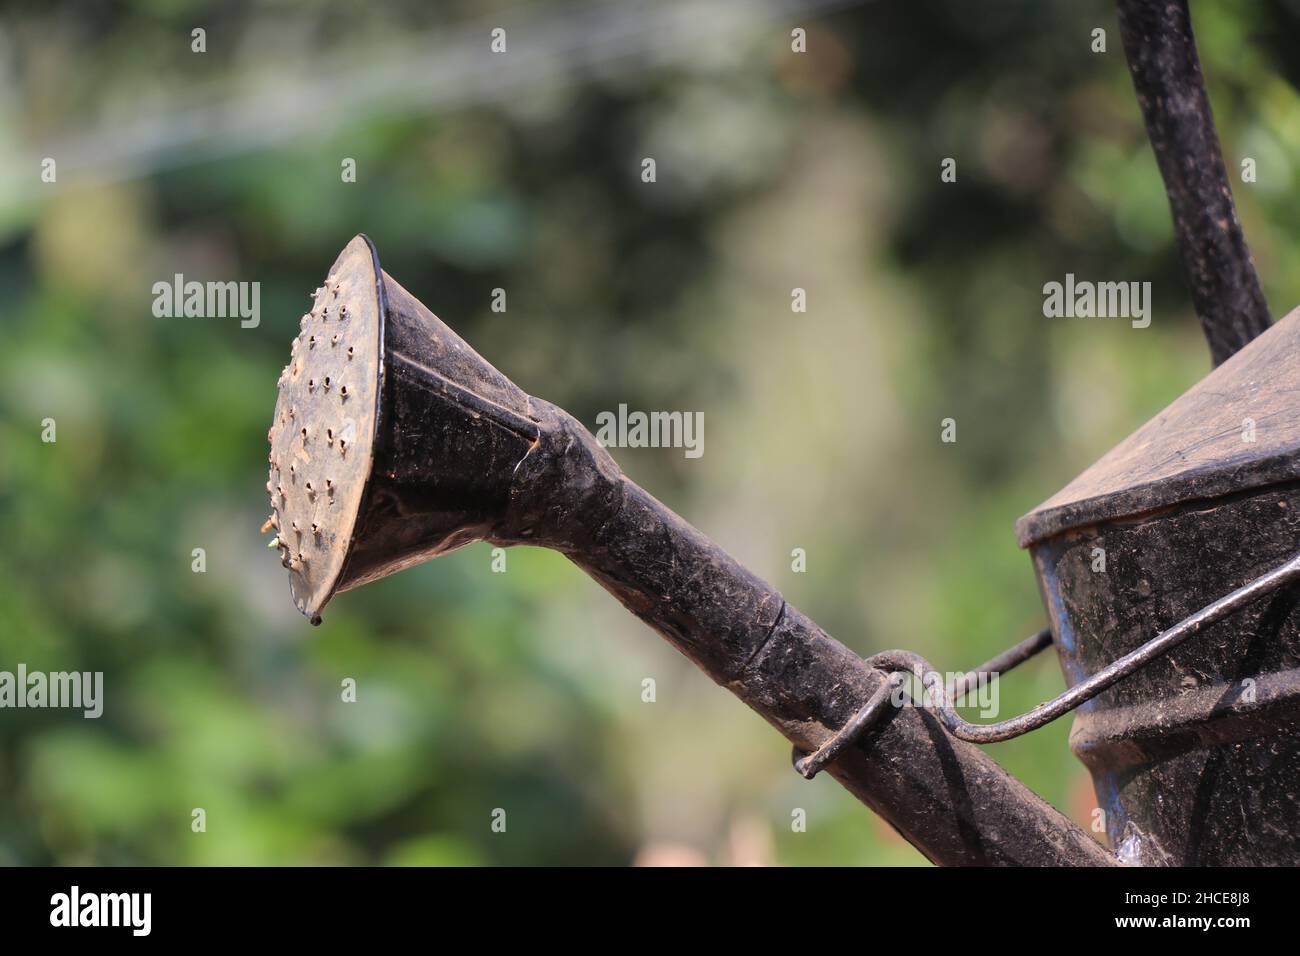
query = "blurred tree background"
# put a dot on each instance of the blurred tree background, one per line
(523, 690)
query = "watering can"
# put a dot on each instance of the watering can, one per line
(1196, 755)
(1168, 570)
(394, 442)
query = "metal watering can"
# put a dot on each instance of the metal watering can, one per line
(1167, 569)
(1196, 755)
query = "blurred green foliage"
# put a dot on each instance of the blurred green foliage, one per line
(522, 690)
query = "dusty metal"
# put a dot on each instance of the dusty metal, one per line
(1166, 72)
(1235, 431)
(939, 701)
(461, 454)
(936, 698)
(322, 434)
(1194, 745)
(1195, 757)
(809, 765)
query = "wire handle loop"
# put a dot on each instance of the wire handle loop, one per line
(937, 701)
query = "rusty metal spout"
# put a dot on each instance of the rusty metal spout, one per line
(444, 450)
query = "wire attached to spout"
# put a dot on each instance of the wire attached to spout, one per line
(936, 698)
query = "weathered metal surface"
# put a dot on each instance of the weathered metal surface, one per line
(1166, 75)
(940, 702)
(874, 710)
(812, 764)
(945, 796)
(323, 430)
(452, 428)
(1196, 756)
(461, 454)
(1237, 429)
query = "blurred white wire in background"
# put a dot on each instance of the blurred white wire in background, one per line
(321, 91)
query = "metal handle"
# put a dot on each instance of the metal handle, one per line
(1166, 72)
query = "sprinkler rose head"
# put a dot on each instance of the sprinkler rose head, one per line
(323, 433)
(393, 442)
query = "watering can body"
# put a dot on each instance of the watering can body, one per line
(1196, 757)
